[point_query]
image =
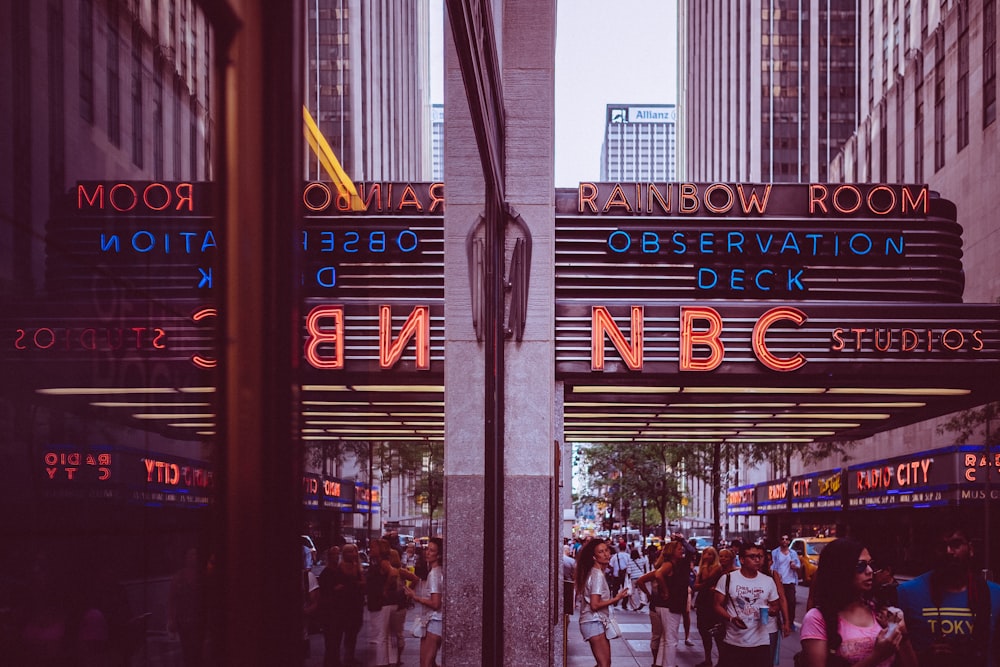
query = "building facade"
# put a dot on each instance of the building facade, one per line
(640, 143)
(367, 84)
(768, 92)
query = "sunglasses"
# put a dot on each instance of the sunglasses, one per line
(863, 565)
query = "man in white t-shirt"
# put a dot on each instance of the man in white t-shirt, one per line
(745, 598)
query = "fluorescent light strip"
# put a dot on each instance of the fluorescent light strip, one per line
(606, 389)
(834, 415)
(743, 439)
(97, 391)
(715, 415)
(902, 391)
(754, 390)
(898, 404)
(124, 404)
(192, 425)
(681, 406)
(175, 415)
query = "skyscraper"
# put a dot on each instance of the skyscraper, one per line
(640, 143)
(437, 142)
(368, 85)
(768, 88)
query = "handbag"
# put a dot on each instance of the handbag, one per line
(611, 628)
(419, 627)
(718, 629)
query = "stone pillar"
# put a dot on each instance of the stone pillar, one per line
(531, 600)
(464, 462)
(532, 615)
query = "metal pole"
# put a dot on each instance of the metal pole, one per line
(987, 538)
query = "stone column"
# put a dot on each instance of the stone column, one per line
(532, 616)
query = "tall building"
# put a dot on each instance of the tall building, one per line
(767, 88)
(126, 95)
(437, 142)
(929, 115)
(368, 86)
(640, 143)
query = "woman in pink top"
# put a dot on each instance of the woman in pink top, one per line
(846, 627)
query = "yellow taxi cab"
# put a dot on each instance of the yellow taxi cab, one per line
(809, 550)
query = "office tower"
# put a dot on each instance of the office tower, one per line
(437, 142)
(367, 85)
(640, 143)
(767, 88)
(929, 115)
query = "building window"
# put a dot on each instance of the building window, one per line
(939, 128)
(989, 61)
(87, 60)
(137, 125)
(114, 78)
(158, 128)
(918, 124)
(963, 78)
(900, 132)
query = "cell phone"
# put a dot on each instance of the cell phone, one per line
(891, 630)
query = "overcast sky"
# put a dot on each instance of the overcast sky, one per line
(606, 52)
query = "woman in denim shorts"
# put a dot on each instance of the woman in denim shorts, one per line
(594, 597)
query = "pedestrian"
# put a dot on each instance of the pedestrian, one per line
(619, 569)
(381, 580)
(709, 572)
(429, 594)
(778, 625)
(342, 599)
(672, 583)
(594, 598)
(397, 597)
(637, 566)
(952, 612)
(845, 627)
(745, 598)
(786, 565)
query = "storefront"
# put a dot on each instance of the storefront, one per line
(892, 505)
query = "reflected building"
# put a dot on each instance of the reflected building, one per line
(768, 90)
(640, 143)
(98, 87)
(368, 86)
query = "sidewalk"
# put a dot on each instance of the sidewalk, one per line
(630, 650)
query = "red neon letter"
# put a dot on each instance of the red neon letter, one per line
(418, 323)
(710, 337)
(602, 323)
(197, 359)
(760, 350)
(317, 337)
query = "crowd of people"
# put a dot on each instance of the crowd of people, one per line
(346, 595)
(744, 599)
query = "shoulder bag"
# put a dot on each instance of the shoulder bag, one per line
(718, 629)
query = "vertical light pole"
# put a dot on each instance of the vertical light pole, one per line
(987, 537)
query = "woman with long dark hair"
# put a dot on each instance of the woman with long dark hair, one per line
(846, 627)
(593, 595)
(342, 601)
(430, 595)
(670, 579)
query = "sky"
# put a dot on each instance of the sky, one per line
(606, 53)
